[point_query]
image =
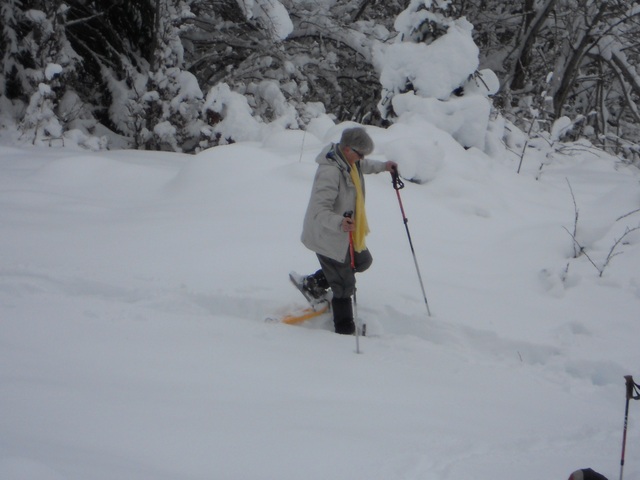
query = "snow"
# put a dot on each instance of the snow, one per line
(270, 12)
(434, 70)
(134, 288)
(428, 74)
(237, 119)
(188, 90)
(560, 127)
(484, 82)
(44, 90)
(52, 70)
(465, 118)
(36, 16)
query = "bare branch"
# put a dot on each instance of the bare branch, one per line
(575, 221)
(84, 20)
(628, 214)
(614, 246)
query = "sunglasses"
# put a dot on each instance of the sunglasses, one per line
(361, 156)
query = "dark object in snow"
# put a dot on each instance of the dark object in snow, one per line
(586, 474)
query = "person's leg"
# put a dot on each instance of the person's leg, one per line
(343, 316)
(339, 276)
(342, 280)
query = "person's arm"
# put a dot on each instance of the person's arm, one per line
(376, 166)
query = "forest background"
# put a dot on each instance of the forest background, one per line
(171, 74)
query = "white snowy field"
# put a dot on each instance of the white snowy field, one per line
(134, 288)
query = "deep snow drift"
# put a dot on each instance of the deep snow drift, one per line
(134, 288)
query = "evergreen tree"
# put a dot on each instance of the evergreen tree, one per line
(115, 40)
(49, 66)
(173, 100)
(12, 74)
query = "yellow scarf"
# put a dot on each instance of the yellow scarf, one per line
(362, 226)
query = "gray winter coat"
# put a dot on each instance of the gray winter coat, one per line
(333, 193)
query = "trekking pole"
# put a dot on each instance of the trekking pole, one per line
(398, 185)
(631, 387)
(349, 214)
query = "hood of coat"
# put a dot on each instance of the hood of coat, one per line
(331, 155)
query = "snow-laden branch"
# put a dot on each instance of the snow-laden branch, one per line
(84, 20)
(323, 27)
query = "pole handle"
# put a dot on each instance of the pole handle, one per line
(398, 184)
(349, 214)
(629, 385)
(632, 388)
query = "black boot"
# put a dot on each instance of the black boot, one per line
(316, 285)
(343, 316)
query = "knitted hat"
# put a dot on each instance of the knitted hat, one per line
(358, 139)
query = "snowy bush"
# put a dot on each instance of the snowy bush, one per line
(430, 70)
(229, 118)
(51, 65)
(271, 14)
(272, 105)
(127, 63)
(172, 110)
(40, 122)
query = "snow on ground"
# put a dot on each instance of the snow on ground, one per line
(134, 288)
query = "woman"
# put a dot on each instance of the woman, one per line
(336, 212)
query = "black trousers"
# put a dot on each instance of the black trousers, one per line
(341, 276)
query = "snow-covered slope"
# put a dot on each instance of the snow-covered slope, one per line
(134, 288)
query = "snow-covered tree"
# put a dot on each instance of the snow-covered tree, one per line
(314, 52)
(139, 67)
(270, 15)
(595, 80)
(40, 122)
(41, 71)
(230, 118)
(49, 67)
(557, 58)
(418, 61)
(12, 68)
(429, 71)
(173, 99)
(115, 40)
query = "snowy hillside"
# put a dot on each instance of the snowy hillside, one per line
(134, 288)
